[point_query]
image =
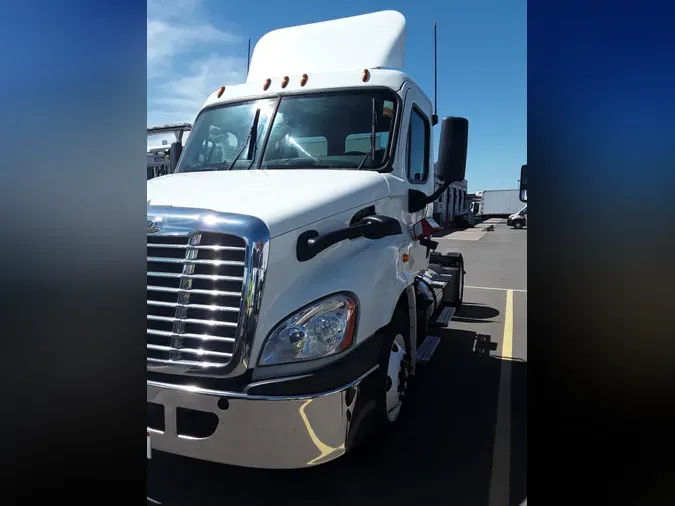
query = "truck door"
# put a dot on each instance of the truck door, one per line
(417, 158)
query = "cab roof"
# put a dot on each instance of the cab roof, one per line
(366, 51)
(369, 41)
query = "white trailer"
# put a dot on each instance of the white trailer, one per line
(291, 290)
(500, 203)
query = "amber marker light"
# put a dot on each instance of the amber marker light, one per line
(284, 82)
(221, 91)
(365, 76)
(267, 84)
(303, 79)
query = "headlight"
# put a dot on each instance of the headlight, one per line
(323, 328)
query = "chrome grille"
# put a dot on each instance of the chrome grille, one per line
(195, 286)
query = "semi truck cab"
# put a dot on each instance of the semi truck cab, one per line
(292, 274)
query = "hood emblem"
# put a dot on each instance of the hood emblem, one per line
(154, 225)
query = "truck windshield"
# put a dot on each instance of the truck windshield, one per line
(341, 130)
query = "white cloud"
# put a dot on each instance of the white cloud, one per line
(166, 41)
(180, 99)
(180, 77)
(173, 9)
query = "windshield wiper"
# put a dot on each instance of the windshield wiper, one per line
(251, 139)
(371, 153)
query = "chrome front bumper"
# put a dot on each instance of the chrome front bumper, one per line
(260, 431)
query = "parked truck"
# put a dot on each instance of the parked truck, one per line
(292, 278)
(163, 155)
(499, 203)
(519, 220)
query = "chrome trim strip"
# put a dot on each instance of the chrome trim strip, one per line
(274, 381)
(239, 395)
(189, 222)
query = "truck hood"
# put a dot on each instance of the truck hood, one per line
(284, 199)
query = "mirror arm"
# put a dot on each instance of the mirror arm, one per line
(417, 200)
(434, 196)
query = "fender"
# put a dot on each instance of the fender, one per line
(412, 319)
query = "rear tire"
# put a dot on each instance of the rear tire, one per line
(518, 225)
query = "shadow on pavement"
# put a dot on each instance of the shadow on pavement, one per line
(441, 452)
(475, 313)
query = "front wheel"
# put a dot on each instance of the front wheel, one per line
(518, 225)
(394, 373)
(396, 383)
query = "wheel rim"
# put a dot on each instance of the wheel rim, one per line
(396, 378)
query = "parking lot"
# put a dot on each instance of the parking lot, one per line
(462, 434)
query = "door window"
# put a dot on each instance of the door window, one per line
(418, 147)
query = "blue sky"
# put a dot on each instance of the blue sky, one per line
(195, 46)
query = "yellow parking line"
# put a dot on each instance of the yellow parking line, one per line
(501, 456)
(507, 343)
(494, 288)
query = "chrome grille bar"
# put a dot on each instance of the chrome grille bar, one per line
(189, 351)
(196, 262)
(210, 248)
(215, 293)
(187, 335)
(192, 363)
(195, 306)
(194, 276)
(171, 319)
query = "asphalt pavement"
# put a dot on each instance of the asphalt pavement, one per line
(462, 433)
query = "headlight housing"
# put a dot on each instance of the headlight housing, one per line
(325, 327)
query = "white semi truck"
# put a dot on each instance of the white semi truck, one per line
(292, 279)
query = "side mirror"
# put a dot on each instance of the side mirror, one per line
(452, 149)
(523, 183)
(174, 155)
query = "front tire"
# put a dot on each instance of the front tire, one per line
(518, 225)
(396, 383)
(394, 372)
